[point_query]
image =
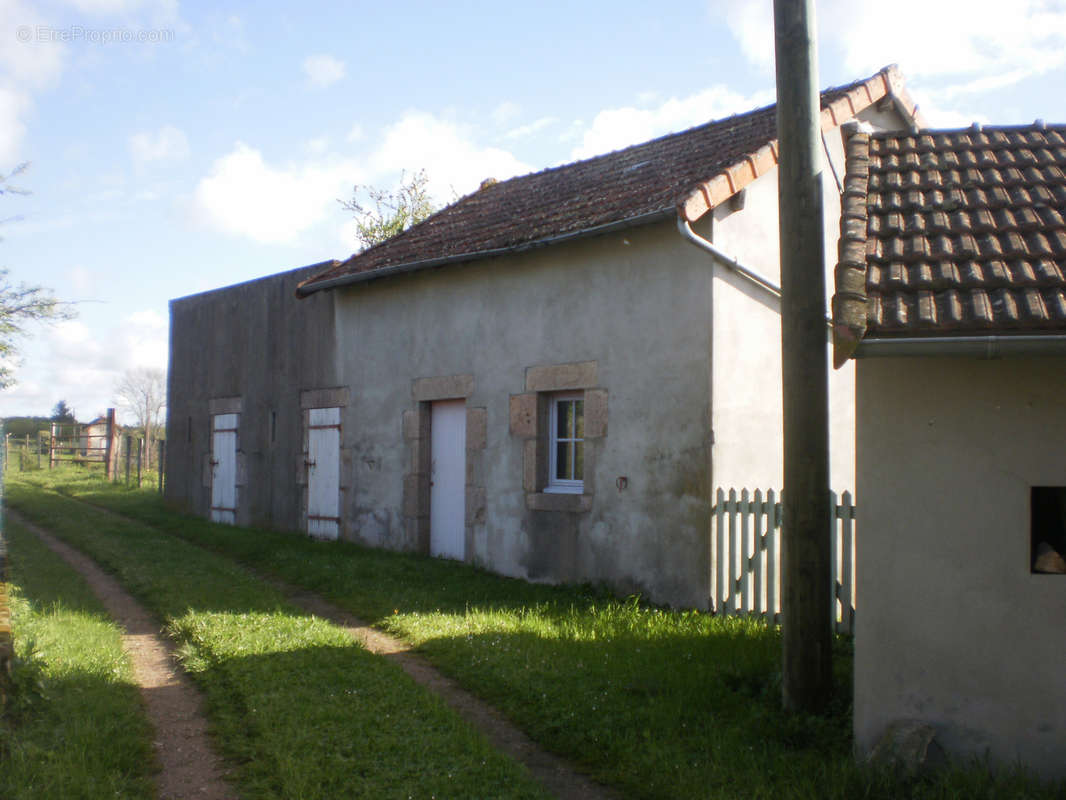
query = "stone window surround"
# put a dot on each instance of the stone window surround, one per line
(529, 421)
(417, 437)
(335, 397)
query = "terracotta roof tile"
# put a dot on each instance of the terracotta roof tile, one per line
(686, 173)
(971, 240)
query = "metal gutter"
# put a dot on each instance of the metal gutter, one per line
(431, 263)
(727, 260)
(984, 347)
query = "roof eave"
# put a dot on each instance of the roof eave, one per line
(720, 187)
(970, 346)
(312, 285)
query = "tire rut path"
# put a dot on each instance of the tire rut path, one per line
(556, 773)
(189, 767)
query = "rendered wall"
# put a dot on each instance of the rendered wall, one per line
(747, 336)
(953, 629)
(635, 305)
(254, 341)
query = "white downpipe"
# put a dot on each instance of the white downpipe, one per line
(727, 261)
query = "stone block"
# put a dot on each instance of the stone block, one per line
(559, 377)
(476, 428)
(415, 495)
(225, 405)
(475, 505)
(529, 465)
(523, 415)
(325, 398)
(412, 425)
(546, 501)
(595, 413)
(444, 387)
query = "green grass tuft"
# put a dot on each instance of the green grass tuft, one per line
(660, 703)
(76, 727)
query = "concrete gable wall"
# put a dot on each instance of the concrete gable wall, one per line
(253, 346)
(747, 336)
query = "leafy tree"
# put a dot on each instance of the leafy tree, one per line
(143, 392)
(393, 212)
(63, 413)
(20, 303)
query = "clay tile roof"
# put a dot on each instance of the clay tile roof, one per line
(685, 173)
(978, 246)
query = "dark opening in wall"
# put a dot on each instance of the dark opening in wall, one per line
(1047, 536)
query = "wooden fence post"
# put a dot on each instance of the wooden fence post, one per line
(162, 460)
(140, 453)
(52, 447)
(129, 444)
(109, 445)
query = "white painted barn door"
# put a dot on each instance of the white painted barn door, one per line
(323, 472)
(224, 468)
(447, 479)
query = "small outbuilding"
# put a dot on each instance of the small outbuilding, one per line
(951, 299)
(546, 378)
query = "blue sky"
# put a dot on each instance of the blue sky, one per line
(177, 146)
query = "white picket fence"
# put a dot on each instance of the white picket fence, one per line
(746, 556)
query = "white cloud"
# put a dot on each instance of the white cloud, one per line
(536, 126)
(356, 133)
(925, 38)
(81, 364)
(505, 112)
(453, 161)
(614, 128)
(317, 146)
(323, 70)
(245, 196)
(166, 144)
(12, 129)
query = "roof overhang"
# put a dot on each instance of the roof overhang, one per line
(888, 83)
(310, 286)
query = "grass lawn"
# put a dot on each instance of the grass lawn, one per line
(662, 704)
(76, 728)
(301, 709)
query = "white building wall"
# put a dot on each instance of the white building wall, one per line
(635, 302)
(953, 628)
(746, 358)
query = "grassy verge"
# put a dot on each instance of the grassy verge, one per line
(75, 728)
(300, 708)
(661, 704)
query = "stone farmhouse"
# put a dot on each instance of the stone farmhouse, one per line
(546, 378)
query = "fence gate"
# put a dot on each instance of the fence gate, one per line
(746, 556)
(224, 468)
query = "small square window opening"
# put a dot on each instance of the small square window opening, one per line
(1047, 537)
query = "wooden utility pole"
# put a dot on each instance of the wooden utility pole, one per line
(805, 547)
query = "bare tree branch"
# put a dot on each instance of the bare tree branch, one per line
(143, 392)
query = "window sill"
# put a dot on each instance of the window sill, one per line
(557, 501)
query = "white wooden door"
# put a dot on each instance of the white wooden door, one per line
(447, 479)
(224, 468)
(323, 472)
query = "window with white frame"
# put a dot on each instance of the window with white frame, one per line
(566, 445)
